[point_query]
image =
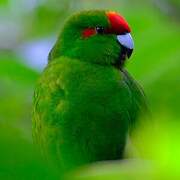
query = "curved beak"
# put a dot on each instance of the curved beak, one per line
(127, 42)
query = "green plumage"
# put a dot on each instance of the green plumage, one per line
(83, 105)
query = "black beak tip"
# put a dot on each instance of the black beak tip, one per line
(129, 52)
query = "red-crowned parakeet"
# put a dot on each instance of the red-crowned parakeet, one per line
(85, 101)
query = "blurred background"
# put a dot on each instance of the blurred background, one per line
(28, 30)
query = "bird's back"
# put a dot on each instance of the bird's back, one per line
(81, 112)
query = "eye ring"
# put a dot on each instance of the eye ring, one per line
(100, 30)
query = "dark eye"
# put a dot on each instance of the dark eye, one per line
(100, 30)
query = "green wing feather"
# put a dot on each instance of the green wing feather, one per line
(82, 111)
(139, 105)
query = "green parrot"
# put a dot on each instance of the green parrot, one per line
(85, 102)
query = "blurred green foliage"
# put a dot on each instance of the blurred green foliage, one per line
(18, 158)
(155, 64)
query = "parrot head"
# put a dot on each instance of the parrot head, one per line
(96, 36)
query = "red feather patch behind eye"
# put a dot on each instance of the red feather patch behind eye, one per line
(88, 32)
